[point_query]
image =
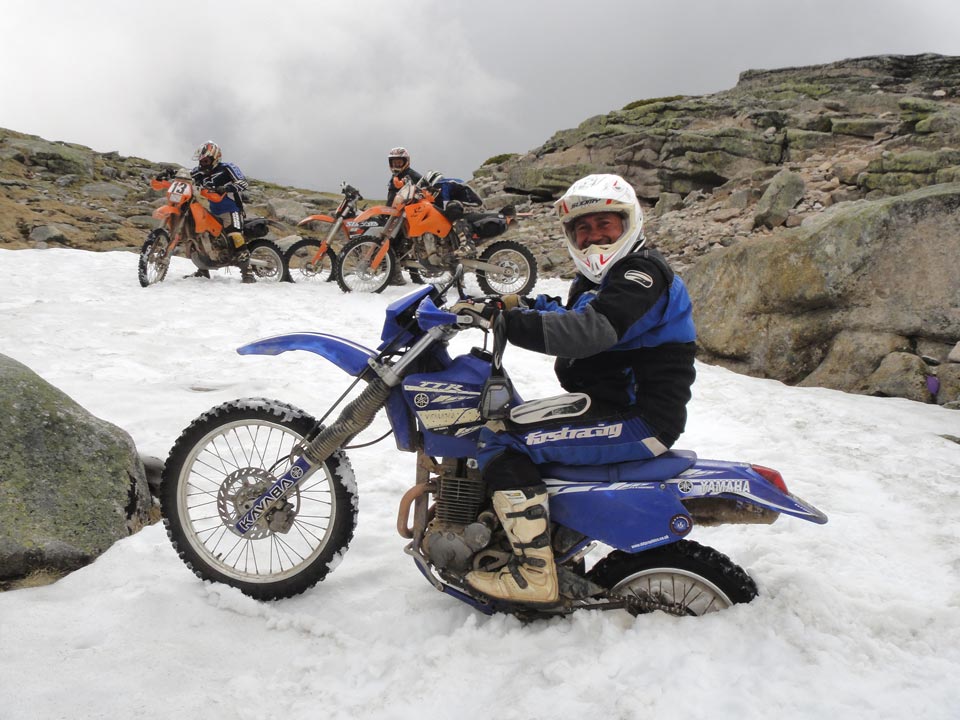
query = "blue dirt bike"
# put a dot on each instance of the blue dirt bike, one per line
(260, 495)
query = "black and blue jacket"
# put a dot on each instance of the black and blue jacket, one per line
(628, 342)
(227, 176)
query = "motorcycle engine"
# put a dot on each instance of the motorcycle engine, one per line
(456, 533)
(431, 251)
(215, 248)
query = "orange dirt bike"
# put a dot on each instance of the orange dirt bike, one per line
(417, 236)
(189, 227)
(315, 260)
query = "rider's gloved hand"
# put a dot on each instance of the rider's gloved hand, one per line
(165, 174)
(477, 314)
(512, 301)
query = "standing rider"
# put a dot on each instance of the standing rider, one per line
(227, 179)
(624, 342)
(400, 172)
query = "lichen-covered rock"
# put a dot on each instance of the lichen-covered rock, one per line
(70, 484)
(881, 267)
(949, 383)
(900, 375)
(784, 192)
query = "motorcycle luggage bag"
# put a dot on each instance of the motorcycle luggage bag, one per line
(456, 189)
(487, 225)
(255, 227)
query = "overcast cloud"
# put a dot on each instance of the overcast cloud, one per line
(309, 93)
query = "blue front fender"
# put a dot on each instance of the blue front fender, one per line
(345, 354)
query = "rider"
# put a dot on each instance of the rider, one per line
(625, 340)
(399, 161)
(225, 178)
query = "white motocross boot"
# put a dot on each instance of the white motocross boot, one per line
(531, 575)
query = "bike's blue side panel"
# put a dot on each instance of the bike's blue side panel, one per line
(347, 355)
(630, 516)
(639, 505)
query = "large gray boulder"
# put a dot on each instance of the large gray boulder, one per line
(70, 484)
(827, 302)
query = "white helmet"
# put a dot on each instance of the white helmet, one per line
(595, 194)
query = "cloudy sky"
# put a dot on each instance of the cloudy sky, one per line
(308, 93)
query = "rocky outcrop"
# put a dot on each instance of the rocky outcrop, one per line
(861, 128)
(70, 484)
(839, 301)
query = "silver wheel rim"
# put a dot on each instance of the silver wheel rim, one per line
(157, 263)
(691, 593)
(303, 270)
(267, 264)
(515, 271)
(355, 268)
(237, 457)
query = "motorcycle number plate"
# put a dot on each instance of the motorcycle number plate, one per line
(179, 191)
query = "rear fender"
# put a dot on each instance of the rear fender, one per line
(639, 505)
(742, 483)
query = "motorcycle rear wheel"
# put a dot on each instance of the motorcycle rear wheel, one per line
(691, 578)
(519, 269)
(225, 459)
(154, 260)
(301, 266)
(267, 261)
(354, 273)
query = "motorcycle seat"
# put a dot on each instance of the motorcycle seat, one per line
(663, 467)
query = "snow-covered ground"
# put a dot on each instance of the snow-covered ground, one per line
(859, 618)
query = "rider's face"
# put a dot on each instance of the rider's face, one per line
(602, 228)
(397, 163)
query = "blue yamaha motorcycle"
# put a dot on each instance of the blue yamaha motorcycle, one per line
(260, 495)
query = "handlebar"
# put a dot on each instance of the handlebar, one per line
(350, 191)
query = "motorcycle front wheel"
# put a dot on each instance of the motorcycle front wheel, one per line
(154, 260)
(686, 577)
(303, 265)
(221, 463)
(355, 273)
(266, 261)
(518, 269)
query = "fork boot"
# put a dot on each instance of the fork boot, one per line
(531, 575)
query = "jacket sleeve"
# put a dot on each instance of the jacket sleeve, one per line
(236, 176)
(597, 320)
